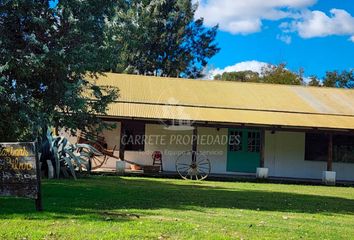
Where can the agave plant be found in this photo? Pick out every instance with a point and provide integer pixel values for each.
(76, 157)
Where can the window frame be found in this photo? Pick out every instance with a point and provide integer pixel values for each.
(254, 141)
(322, 139)
(233, 146)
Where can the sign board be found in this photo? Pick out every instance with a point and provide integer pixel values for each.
(19, 171)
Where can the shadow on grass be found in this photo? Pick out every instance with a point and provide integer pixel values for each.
(107, 198)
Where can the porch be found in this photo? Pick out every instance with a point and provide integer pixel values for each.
(284, 153)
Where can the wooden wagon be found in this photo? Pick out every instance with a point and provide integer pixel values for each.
(98, 161)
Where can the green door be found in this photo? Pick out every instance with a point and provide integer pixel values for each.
(243, 153)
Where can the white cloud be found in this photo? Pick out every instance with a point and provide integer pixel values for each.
(247, 16)
(306, 79)
(318, 24)
(253, 65)
(284, 38)
(244, 17)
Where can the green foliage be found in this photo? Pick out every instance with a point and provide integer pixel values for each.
(314, 81)
(241, 76)
(46, 57)
(345, 79)
(280, 75)
(162, 38)
(277, 74)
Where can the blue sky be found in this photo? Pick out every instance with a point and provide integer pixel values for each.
(316, 35)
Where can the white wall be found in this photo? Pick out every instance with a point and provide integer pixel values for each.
(160, 139)
(217, 153)
(285, 157)
(171, 149)
(112, 137)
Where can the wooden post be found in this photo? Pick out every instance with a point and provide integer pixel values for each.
(122, 142)
(262, 148)
(330, 152)
(38, 200)
(194, 143)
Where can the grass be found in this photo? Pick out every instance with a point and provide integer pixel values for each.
(104, 207)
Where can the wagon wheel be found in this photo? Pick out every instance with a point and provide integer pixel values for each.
(94, 161)
(197, 169)
(97, 161)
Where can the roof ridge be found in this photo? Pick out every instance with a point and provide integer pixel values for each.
(233, 82)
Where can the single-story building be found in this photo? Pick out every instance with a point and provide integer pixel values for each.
(241, 128)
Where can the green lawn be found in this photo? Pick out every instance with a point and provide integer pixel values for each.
(104, 207)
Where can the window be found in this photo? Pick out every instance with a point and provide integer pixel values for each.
(343, 148)
(133, 135)
(316, 147)
(254, 142)
(235, 141)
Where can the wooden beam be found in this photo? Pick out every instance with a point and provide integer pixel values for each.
(194, 143)
(262, 148)
(122, 141)
(330, 152)
(241, 125)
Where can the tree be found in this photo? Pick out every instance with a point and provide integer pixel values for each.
(314, 82)
(277, 74)
(345, 79)
(240, 76)
(162, 38)
(47, 55)
(280, 75)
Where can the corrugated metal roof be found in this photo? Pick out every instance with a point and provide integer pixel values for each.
(230, 102)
